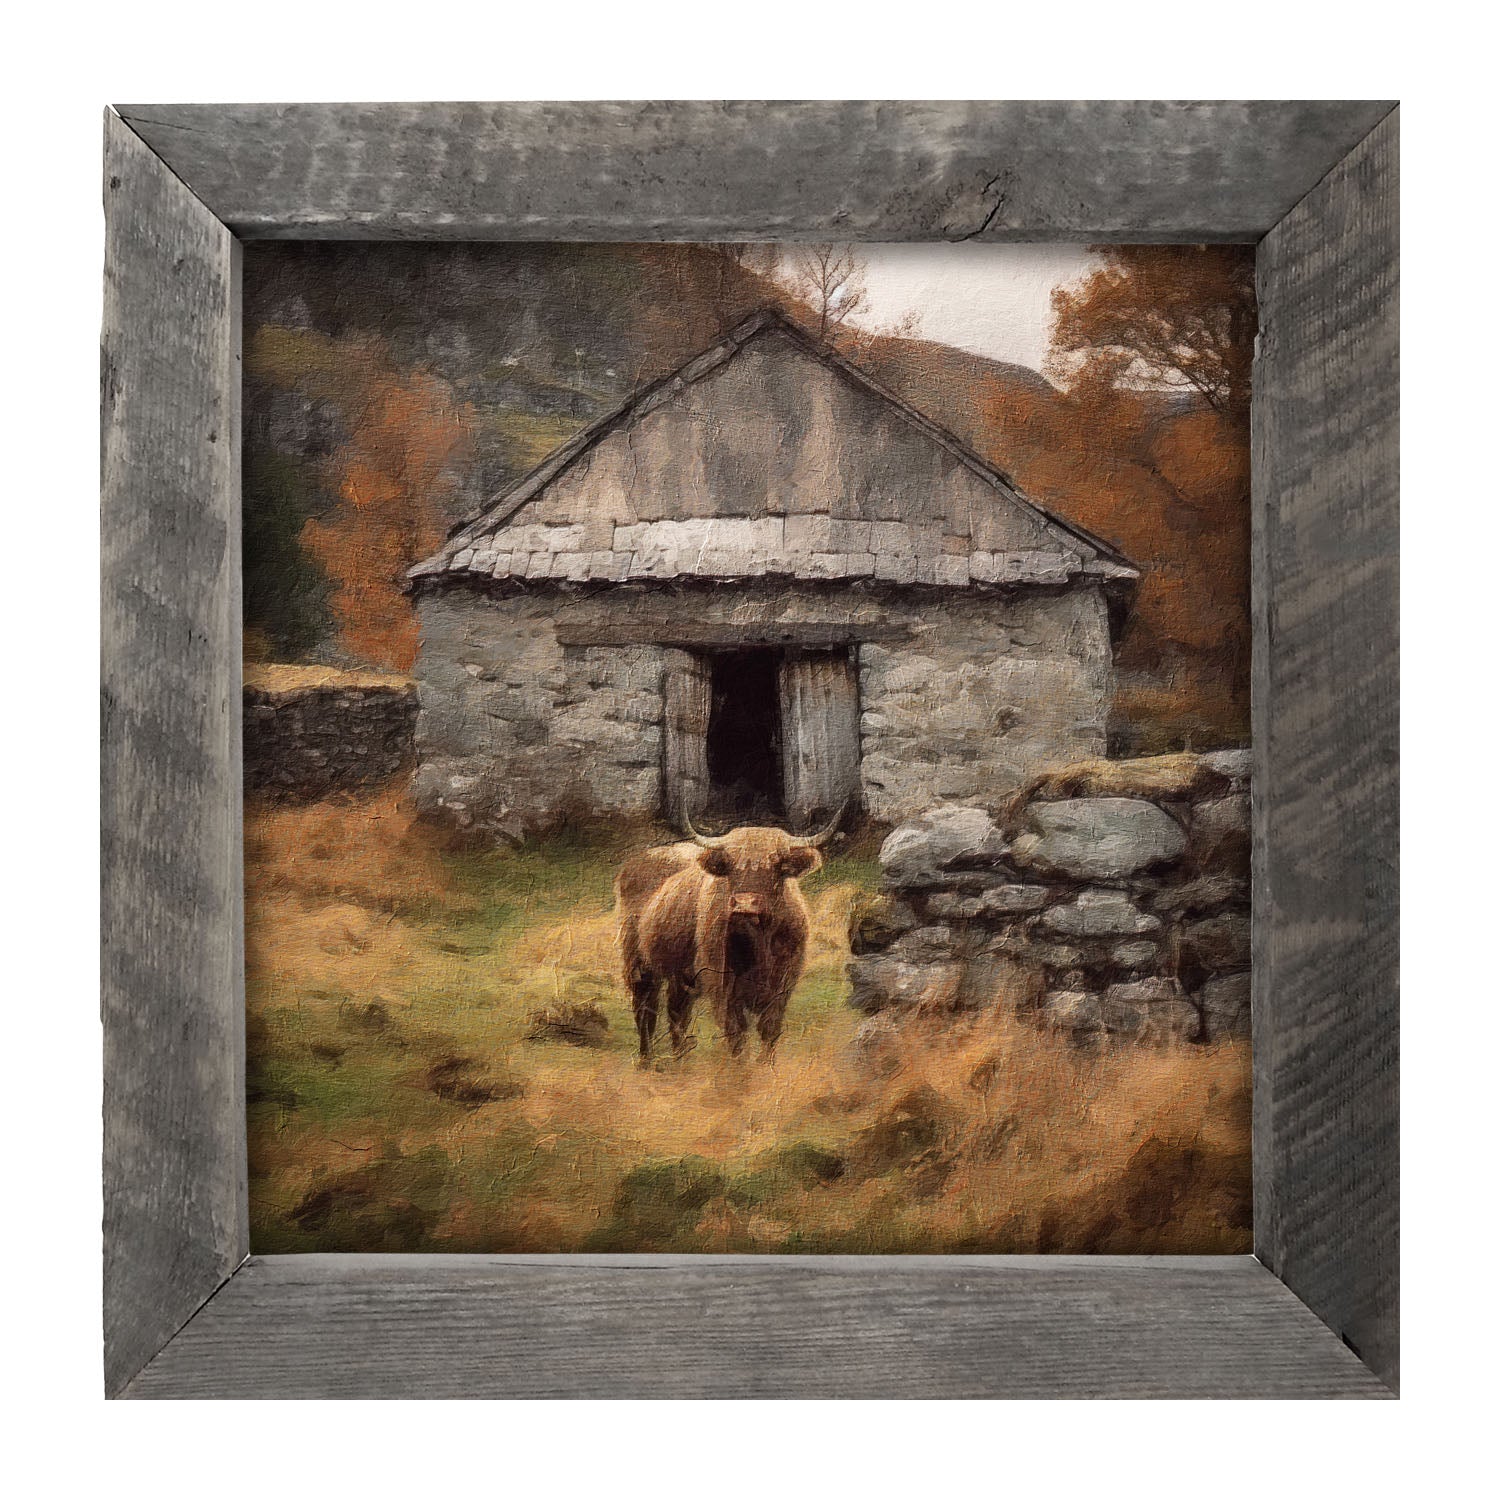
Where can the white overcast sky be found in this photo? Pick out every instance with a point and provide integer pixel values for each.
(989, 299)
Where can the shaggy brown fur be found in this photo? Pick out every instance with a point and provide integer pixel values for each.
(727, 923)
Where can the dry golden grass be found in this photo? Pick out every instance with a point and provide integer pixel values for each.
(397, 1102)
(285, 677)
(372, 852)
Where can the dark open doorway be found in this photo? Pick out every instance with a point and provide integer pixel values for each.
(744, 737)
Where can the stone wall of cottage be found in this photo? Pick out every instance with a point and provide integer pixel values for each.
(1108, 901)
(964, 696)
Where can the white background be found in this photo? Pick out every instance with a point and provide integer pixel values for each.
(61, 70)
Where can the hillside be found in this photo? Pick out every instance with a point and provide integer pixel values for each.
(952, 385)
(392, 389)
(539, 340)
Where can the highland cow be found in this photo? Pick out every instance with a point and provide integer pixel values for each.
(717, 918)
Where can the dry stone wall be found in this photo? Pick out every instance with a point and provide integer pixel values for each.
(1109, 901)
(307, 742)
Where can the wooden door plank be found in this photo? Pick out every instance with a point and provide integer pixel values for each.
(820, 734)
(688, 691)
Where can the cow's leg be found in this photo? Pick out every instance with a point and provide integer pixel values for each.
(736, 1021)
(679, 1013)
(644, 993)
(768, 1027)
(769, 1019)
(783, 977)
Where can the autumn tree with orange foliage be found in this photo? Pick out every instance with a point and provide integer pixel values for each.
(1148, 445)
(1162, 318)
(391, 480)
(405, 431)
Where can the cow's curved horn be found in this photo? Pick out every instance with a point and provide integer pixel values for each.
(826, 832)
(701, 839)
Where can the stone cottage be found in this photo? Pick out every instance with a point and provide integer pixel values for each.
(762, 586)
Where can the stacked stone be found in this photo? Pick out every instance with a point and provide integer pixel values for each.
(610, 708)
(1102, 916)
(308, 743)
(519, 731)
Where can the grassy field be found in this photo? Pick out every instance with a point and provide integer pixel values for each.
(404, 1095)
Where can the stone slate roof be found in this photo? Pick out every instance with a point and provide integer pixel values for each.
(575, 519)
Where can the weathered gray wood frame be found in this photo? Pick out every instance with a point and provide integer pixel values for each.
(1313, 1313)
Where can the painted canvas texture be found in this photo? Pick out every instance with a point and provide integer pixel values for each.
(747, 748)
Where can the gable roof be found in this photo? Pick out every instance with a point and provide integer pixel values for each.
(581, 540)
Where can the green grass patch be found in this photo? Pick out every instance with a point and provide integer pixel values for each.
(529, 437)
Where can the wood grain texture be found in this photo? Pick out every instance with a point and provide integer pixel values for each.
(693, 170)
(939, 1327)
(174, 1148)
(687, 702)
(1325, 483)
(1326, 738)
(819, 693)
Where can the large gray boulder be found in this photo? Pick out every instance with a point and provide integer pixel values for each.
(1204, 893)
(924, 945)
(880, 981)
(1146, 1012)
(1098, 838)
(1233, 764)
(1143, 992)
(1101, 913)
(1037, 953)
(1136, 955)
(1153, 1010)
(930, 849)
(1174, 1022)
(1077, 1011)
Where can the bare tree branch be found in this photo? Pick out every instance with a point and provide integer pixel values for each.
(831, 280)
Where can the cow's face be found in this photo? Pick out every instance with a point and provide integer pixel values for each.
(757, 863)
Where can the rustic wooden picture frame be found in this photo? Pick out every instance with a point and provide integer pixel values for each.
(189, 1313)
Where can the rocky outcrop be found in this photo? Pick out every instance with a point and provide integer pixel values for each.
(1118, 917)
